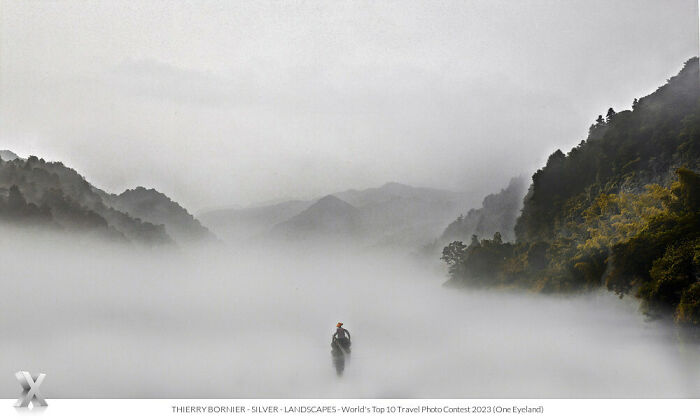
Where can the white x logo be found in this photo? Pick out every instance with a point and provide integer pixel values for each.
(30, 389)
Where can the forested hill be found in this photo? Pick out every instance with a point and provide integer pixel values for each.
(624, 150)
(621, 210)
(49, 195)
(155, 207)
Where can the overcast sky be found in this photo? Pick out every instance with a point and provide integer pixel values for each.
(221, 102)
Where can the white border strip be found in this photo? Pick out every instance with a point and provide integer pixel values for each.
(107, 409)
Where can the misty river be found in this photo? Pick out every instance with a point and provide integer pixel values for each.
(105, 322)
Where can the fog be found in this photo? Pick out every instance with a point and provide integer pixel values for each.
(220, 103)
(106, 321)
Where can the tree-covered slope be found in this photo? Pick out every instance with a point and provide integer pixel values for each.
(155, 207)
(624, 150)
(35, 192)
(621, 210)
(498, 213)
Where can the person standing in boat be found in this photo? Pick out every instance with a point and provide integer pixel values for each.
(342, 337)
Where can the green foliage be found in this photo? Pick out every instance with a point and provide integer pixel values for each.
(621, 209)
(688, 311)
(671, 275)
(454, 255)
(479, 262)
(627, 151)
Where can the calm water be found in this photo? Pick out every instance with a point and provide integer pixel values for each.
(103, 322)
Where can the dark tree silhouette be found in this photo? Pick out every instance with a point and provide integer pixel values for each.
(610, 115)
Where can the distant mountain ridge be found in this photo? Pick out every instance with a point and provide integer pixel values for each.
(247, 223)
(498, 213)
(155, 207)
(390, 214)
(391, 191)
(37, 192)
(8, 155)
(329, 216)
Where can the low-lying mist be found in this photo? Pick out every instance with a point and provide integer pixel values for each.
(107, 321)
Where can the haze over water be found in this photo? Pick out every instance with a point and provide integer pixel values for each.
(219, 322)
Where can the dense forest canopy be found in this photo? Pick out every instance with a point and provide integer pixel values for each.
(621, 210)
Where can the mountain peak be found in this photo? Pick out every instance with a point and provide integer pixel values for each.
(330, 204)
(330, 199)
(143, 193)
(155, 207)
(396, 187)
(328, 216)
(8, 155)
(393, 184)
